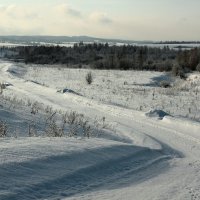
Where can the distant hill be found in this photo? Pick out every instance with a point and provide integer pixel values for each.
(61, 39)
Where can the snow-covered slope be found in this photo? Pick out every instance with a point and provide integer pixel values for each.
(140, 157)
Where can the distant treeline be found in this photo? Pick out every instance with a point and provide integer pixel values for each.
(177, 42)
(103, 56)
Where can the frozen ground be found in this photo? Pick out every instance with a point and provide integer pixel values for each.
(131, 89)
(145, 155)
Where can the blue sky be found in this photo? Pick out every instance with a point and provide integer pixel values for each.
(126, 19)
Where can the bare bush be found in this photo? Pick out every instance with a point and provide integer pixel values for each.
(51, 127)
(2, 87)
(3, 129)
(85, 127)
(198, 67)
(48, 110)
(53, 130)
(177, 70)
(1, 90)
(58, 124)
(74, 121)
(32, 132)
(35, 108)
(77, 124)
(72, 117)
(89, 78)
(165, 84)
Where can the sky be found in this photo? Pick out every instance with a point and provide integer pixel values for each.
(121, 19)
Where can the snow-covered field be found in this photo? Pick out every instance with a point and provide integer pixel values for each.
(140, 155)
(131, 89)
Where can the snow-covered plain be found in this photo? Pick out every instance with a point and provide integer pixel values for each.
(143, 155)
(131, 89)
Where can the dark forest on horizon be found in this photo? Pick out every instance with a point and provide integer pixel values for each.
(103, 56)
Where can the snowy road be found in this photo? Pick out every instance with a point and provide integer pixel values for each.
(144, 158)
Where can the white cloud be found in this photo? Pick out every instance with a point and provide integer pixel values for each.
(11, 8)
(100, 17)
(19, 20)
(67, 10)
(16, 12)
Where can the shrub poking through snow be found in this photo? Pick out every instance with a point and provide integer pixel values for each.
(32, 131)
(72, 117)
(1, 90)
(52, 129)
(89, 78)
(3, 129)
(71, 124)
(78, 124)
(56, 123)
(165, 84)
(198, 67)
(2, 87)
(34, 108)
(177, 70)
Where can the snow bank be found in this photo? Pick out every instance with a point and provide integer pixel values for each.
(43, 168)
(154, 113)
